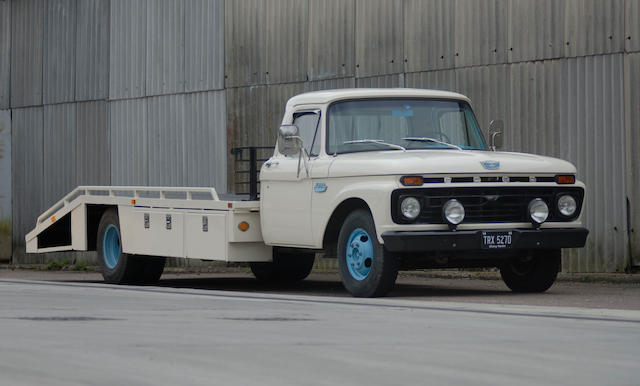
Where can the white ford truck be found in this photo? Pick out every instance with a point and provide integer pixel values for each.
(381, 179)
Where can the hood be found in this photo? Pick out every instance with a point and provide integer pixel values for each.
(444, 161)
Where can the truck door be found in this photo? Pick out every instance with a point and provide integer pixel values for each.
(285, 191)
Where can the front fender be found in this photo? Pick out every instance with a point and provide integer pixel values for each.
(374, 191)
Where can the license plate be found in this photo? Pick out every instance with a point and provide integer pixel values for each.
(496, 240)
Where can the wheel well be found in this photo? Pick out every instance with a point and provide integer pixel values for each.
(94, 214)
(338, 216)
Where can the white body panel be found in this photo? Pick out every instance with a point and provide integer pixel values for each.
(183, 234)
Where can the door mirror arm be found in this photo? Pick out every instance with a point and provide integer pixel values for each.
(496, 137)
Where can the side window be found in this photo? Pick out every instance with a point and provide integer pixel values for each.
(307, 123)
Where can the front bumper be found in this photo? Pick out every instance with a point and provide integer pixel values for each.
(425, 241)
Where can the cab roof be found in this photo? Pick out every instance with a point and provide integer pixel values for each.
(328, 96)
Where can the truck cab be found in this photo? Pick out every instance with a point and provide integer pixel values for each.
(389, 179)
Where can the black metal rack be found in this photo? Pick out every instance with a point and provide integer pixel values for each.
(242, 156)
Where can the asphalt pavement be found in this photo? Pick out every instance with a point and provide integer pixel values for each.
(86, 333)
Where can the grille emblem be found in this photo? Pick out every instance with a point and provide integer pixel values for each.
(490, 165)
(493, 197)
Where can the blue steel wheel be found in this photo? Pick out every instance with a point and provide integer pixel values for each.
(359, 254)
(366, 268)
(111, 246)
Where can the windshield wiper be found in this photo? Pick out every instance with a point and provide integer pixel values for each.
(378, 141)
(426, 139)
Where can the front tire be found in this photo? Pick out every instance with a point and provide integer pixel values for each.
(366, 269)
(122, 268)
(535, 274)
(286, 267)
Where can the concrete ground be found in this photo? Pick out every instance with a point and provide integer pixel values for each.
(68, 328)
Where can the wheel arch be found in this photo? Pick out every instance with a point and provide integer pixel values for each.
(94, 214)
(340, 213)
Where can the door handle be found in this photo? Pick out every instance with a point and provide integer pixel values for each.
(271, 163)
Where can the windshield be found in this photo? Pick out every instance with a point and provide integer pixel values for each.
(396, 124)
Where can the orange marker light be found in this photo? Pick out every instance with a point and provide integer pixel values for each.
(133, 202)
(566, 179)
(411, 180)
(53, 218)
(243, 226)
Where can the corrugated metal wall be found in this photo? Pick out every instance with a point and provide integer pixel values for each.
(157, 92)
(129, 147)
(429, 33)
(127, 48)
(59, 151)
(379, 37)
(632, 108)
(27, 28)
(93, 145)
(5, 50)
(331, 39)
(287, 32)
(5, 186)
(165, 47)
(59, 67)
(92, 50)
(204, 45)
(27, 175)
(245, 36)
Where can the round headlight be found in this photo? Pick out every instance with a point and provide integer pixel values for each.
(538, 211)
(410, 208)
(453, 212)
(567, 205)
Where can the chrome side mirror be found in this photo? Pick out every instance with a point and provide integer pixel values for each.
(289, 142)
(496, 136)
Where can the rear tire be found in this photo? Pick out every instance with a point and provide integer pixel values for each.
(536, 274)
(366, 268)
(286, 267)
(122, 268)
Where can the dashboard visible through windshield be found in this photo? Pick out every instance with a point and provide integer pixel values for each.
(397, 124)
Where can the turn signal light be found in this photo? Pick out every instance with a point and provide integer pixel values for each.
(411, 180)
(243, 226)
(566, 179)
